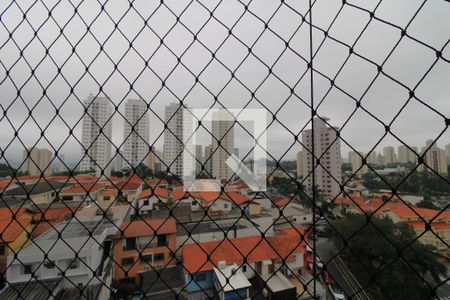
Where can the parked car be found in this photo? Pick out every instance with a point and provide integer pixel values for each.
(336, 292)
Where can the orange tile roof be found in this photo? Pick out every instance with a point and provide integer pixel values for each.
(138, 228)
(157, 182)
(60, 178)
(109, 192)
(254, 248)
(126, 185)
(6, 213)
(6, 183)
(11, 229)
(53, 216)
(282, 202)
(177, 194)
(82, 189)
(109, 180)
(209, 197)
(420, 226)
(28, 178)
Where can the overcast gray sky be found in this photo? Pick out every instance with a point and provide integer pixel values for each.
(408, 64)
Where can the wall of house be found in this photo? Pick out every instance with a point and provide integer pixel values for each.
(195, 286)
(139, 265)
(43, 198)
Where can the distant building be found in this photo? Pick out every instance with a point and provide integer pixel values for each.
(135, 133)
(435, 159)
(37, 162)
(406, 155)
(355, 160)
(118, 161)
(207, 160)
(389, 155)
(61, 167)
(96, 136)
(223, 132)
(198, 159)
(380, 160)
(372, 158)
(328, 148)
(151, 160)
(299, 164)
(236, 152)
(177, 122)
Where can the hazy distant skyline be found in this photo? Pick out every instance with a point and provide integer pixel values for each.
(408, 64)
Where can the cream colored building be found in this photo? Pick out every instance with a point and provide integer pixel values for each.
(37, 161)
(151, 160)
(406, 155)
(328, 147)
(389, 155)
(223, 132)
(355, 160)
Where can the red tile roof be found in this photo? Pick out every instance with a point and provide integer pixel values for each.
(53, 216)
(6, 183)
(28, 178)
(209, 197)
(177, 194)
(11, 229)
(157, 182)
(138, 228)
(82, 189)
(126, 185)
(420, 226)
(254, 248)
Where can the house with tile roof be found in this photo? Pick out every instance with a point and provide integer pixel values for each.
(15, 226)
(87, 192)
(255, 256)
(143, 245)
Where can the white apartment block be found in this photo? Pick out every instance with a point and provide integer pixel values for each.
(223, 132)
(389, 155)
(328, 174)
(135, 133)
(37, 162)
(372, 158)
(96, 136)
(355, 160)
(179, 123)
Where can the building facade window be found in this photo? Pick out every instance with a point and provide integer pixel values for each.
(127, 261)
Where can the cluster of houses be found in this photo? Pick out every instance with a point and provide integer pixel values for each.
(67, 237)
(432, 226)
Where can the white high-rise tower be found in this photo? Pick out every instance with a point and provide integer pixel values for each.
(178, 122)
(135, 133)
(222, 144)
(326, 147)
(96, 136)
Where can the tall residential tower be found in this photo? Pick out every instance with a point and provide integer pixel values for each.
(96, 136)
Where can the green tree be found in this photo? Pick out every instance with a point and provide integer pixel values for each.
(386, 257)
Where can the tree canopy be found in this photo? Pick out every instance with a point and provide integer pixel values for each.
(387, 258)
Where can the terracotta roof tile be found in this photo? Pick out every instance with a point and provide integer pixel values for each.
(138, 228)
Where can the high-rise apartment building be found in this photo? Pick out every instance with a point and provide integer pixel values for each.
(372, 158)
(355, 160)
(299, 164)
(389, 155)
(135, 133)
(151, 159)
(406, 155)
(222, 144)
(179, 123)
(96, 136)
(198, 159)
(327, 175)
(37, 162)
(61, 167)
(207, 160)
(435, 158)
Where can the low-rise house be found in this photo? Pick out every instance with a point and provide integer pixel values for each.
(146, 201)
(438, 235)
(263, 256)
(7, 184)
(215, 201)
(75, 254)
(15, 228)
(87, 192)
(143, 245)
(38, 193)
